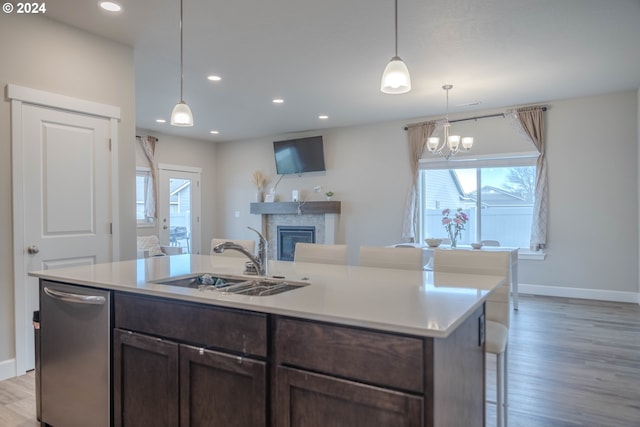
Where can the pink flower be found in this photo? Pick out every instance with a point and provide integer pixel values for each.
(446, 221)
(457, 220)
(446, 212)
(464, 216)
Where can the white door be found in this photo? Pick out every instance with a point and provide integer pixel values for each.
(66, 179)
(179, 207)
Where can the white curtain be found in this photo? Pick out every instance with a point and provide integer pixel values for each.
(417, 135)
(529, 122)
(149, 147)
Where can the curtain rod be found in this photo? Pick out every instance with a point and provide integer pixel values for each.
(138, 136)
(468, 118)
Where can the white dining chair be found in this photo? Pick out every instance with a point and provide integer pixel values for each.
(249, 245)
(320, 253)
(497, 311)
(389, 257)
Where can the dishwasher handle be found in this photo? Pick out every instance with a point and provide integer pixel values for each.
(76, 298)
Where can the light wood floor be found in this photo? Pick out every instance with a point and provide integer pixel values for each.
(571, 363)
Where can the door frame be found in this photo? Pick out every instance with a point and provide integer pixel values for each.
(196, 224)
(19, 95)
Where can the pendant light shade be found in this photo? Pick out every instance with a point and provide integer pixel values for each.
(396, 78)
(181, 114)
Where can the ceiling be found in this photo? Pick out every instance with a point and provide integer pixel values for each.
(327, 57)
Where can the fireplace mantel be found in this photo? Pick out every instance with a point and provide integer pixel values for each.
(283, 208)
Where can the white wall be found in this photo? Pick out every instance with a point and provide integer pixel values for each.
(592, 148)
(174, 150)
(593, 196)
(39, 53)
(366, 168)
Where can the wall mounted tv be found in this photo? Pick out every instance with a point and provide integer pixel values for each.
(299, 155)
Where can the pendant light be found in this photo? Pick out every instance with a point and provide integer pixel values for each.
(396, 79)
(181, 114)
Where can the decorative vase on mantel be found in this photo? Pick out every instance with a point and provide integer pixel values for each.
(258, 196)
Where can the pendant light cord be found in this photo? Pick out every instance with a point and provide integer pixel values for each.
(396, 28)
(181, 54)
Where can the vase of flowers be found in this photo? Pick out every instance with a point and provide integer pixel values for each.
(455, 225)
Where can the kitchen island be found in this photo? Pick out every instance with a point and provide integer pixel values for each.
(358, 346)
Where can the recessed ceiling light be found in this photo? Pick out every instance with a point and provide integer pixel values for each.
(323, 117)
(214, 78)
(161, 121)
(110, 6)
(215, 132)
(278, 101)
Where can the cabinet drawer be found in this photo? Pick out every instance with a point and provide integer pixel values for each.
(315, 400)
(372, 357)
(235, 330)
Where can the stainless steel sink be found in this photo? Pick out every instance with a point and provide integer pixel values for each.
(259, 286)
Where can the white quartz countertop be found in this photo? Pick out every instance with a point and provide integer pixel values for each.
(421, 303)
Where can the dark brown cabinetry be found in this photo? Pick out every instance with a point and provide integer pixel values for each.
(145, 380)
(346, 376)
(186, 364)
(313, 400)
(328, 374)
(177, 363)
(218, 389)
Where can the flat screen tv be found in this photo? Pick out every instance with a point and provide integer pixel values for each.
(299, 155)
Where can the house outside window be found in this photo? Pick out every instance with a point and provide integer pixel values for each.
(497, 195)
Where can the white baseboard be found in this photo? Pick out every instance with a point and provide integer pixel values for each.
(7, 369)
(582, 293)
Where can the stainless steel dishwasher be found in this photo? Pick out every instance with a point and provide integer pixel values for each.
(75, 349)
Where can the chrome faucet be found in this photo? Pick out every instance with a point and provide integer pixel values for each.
(260, 262)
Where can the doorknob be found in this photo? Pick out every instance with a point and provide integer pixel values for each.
(164, 227)
(33, 249)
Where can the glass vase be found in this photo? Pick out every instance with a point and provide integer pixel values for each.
(453, 236)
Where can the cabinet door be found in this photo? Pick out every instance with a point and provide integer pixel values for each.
(145, 380)
(219, 389)
(313, 400)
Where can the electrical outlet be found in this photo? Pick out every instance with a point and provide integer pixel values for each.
(317, 189)
(236, 214)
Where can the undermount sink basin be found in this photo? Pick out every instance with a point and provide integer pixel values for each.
(260, 286)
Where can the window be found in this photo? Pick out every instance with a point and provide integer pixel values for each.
(142, 182)
(501, 210)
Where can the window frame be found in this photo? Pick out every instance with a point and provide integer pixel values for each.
(146, 222)
(478, 163)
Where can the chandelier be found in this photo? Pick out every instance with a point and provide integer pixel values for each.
(451, 144)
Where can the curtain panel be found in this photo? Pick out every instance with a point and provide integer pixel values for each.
(529, 122)
(151, 200)
(417, 136)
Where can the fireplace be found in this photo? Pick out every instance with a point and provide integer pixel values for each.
(289, 235)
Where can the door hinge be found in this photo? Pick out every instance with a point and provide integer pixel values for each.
(110, 228)
(109, 144)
